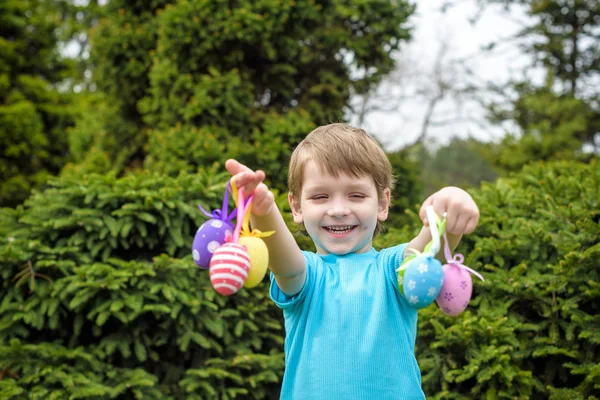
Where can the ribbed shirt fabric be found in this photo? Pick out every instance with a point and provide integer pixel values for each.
(349, 332)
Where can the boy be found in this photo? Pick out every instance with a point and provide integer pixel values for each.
(350, 334)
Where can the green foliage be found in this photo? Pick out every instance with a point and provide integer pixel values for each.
(561, 118)
(531, 330)
(554, 126)
(245, 77)
(92, 147)
(125, 313)
(33, 113)
(184, 147)
(53, 371)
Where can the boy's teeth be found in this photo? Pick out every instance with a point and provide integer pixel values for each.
(340, 229)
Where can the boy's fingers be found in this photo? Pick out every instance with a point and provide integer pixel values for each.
(472, 224)
(439, 206)
(460, 225)
(243, 179)
(423, 210)
(454, 222)
(255, 182)
(249, 180)
(264, 199)
(234, 167)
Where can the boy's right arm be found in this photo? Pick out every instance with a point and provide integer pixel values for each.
(285, 257)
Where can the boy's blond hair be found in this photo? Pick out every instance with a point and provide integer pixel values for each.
(341, 148)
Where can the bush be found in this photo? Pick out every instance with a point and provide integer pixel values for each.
(100, 297)
(107, 302)
(532, 328)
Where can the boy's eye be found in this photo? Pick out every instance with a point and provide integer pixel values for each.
(318, 197)
(357, 196)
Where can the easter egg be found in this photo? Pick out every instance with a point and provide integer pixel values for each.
(229, 268)
(208, 238)
(259, 259)
(421, 280)
(456, 291)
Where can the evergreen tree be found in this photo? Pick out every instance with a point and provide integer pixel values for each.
(34, 114)
(560, 119)
(193, 82)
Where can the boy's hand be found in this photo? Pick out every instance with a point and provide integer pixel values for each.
(462, 212)
(252, 181)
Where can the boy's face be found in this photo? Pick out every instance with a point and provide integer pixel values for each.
(339, 213)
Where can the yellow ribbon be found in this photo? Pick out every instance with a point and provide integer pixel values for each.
(246, 226)
(257, 233)
(234, 192)
(246, 221)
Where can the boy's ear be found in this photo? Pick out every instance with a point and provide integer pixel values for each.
(295, 206)
(384, 205)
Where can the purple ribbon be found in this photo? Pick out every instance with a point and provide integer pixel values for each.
(458, 259)
(221, 214)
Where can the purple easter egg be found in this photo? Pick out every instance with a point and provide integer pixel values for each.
(209, 237)
(456, 291)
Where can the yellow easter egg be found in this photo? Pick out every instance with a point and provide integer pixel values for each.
(259, 259)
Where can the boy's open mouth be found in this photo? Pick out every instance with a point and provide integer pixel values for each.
(340, 229)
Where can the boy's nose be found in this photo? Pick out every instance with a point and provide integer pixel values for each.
(338, 210)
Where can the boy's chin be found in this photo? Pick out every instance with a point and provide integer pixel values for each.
(344, 250)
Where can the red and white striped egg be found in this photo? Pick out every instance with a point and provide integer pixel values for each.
(229, 268)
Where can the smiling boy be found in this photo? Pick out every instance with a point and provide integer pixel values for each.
(350, 333)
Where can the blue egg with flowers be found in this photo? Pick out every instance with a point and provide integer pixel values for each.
(420, 280)
(421, 276)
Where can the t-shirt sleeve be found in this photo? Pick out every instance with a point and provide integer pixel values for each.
(393, 257)
(284, 301)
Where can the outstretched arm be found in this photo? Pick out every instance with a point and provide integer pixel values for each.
(462, 217)
(285, 257)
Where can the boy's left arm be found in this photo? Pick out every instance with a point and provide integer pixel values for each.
(462, 216)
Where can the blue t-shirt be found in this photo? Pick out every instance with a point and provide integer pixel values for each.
(349, 332)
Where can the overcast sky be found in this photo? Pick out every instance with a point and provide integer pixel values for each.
(406, 96)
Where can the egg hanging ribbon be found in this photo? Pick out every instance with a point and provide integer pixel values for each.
(420, 276)
(458, 259)
(246, 223)
(221, 214)
(230, 263)
(257, 249)
(212, 233)
(457, 288)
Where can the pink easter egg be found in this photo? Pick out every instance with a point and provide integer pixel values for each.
(229, 268)
(456, 290)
